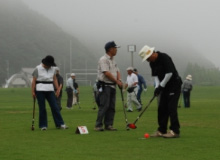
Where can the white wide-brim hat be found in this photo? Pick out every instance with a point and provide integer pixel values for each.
(146, 52)
(72, 74)
(130, 68)
(189, 77)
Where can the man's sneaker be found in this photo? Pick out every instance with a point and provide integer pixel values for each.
(44, 128)
(139, 109)
(157, 134)
(129, 110)
(69, 107)
(98, 129)
(63, 126)
(171, 134)
(110, 128)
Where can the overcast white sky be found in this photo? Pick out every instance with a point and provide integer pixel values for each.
(141, 22)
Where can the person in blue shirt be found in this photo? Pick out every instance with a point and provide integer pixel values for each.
(141, 83)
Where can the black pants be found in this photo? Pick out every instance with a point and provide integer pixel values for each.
(186, 98)
(69, 92)
(167, 110)
(106, 107)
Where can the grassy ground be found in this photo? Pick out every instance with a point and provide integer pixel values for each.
(199, 130)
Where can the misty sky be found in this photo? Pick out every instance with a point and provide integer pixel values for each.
(192, 23)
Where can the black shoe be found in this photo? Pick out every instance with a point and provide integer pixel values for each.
(139, 109)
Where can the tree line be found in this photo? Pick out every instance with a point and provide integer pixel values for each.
(202, 75)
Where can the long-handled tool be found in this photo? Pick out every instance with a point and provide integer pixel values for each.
(122, 99)
(132, 125)
(32, 127)
(180, 101)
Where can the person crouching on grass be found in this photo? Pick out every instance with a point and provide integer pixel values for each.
(44, 77)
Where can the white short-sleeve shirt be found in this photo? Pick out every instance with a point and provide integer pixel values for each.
(131, 79)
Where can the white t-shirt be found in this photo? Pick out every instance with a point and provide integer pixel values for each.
(131, 79)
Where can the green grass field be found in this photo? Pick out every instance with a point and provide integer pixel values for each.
(200, 130)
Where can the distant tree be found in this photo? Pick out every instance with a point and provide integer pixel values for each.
(203, 76)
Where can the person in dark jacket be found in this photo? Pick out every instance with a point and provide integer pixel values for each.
(167, 89)
(141, 83)
(60, 87)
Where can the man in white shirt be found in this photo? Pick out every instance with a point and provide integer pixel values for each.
(132, 85)
(108, 77)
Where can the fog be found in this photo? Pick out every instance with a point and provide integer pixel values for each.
(157, 23)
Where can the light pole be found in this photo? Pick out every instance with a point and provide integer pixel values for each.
(132, 49)
(7, 68)
(70, 56)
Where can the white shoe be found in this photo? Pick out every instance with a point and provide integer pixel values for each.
(44, 128)
(63, 127)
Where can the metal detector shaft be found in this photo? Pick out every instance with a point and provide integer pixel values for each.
(144, 110)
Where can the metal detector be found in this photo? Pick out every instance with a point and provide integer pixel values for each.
(132, 125)
(32, 127)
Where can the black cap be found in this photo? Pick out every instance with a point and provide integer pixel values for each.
(48, 61)
(110, 44)
(135, 70)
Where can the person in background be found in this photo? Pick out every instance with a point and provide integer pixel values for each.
(132, 89)
(141, 83)
(186, 89)
(167, 89)
(108, 77)
(70, 90)
(44, 80)
(60, 87)
(76, 92)
(95, 94)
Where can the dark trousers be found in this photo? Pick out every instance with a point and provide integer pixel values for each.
(186, 98)
(69, 92)
(167, 110)
(106, 107)
(42, 96)
(139, 95)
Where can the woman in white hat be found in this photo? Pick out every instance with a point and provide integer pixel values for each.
(186, 89)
